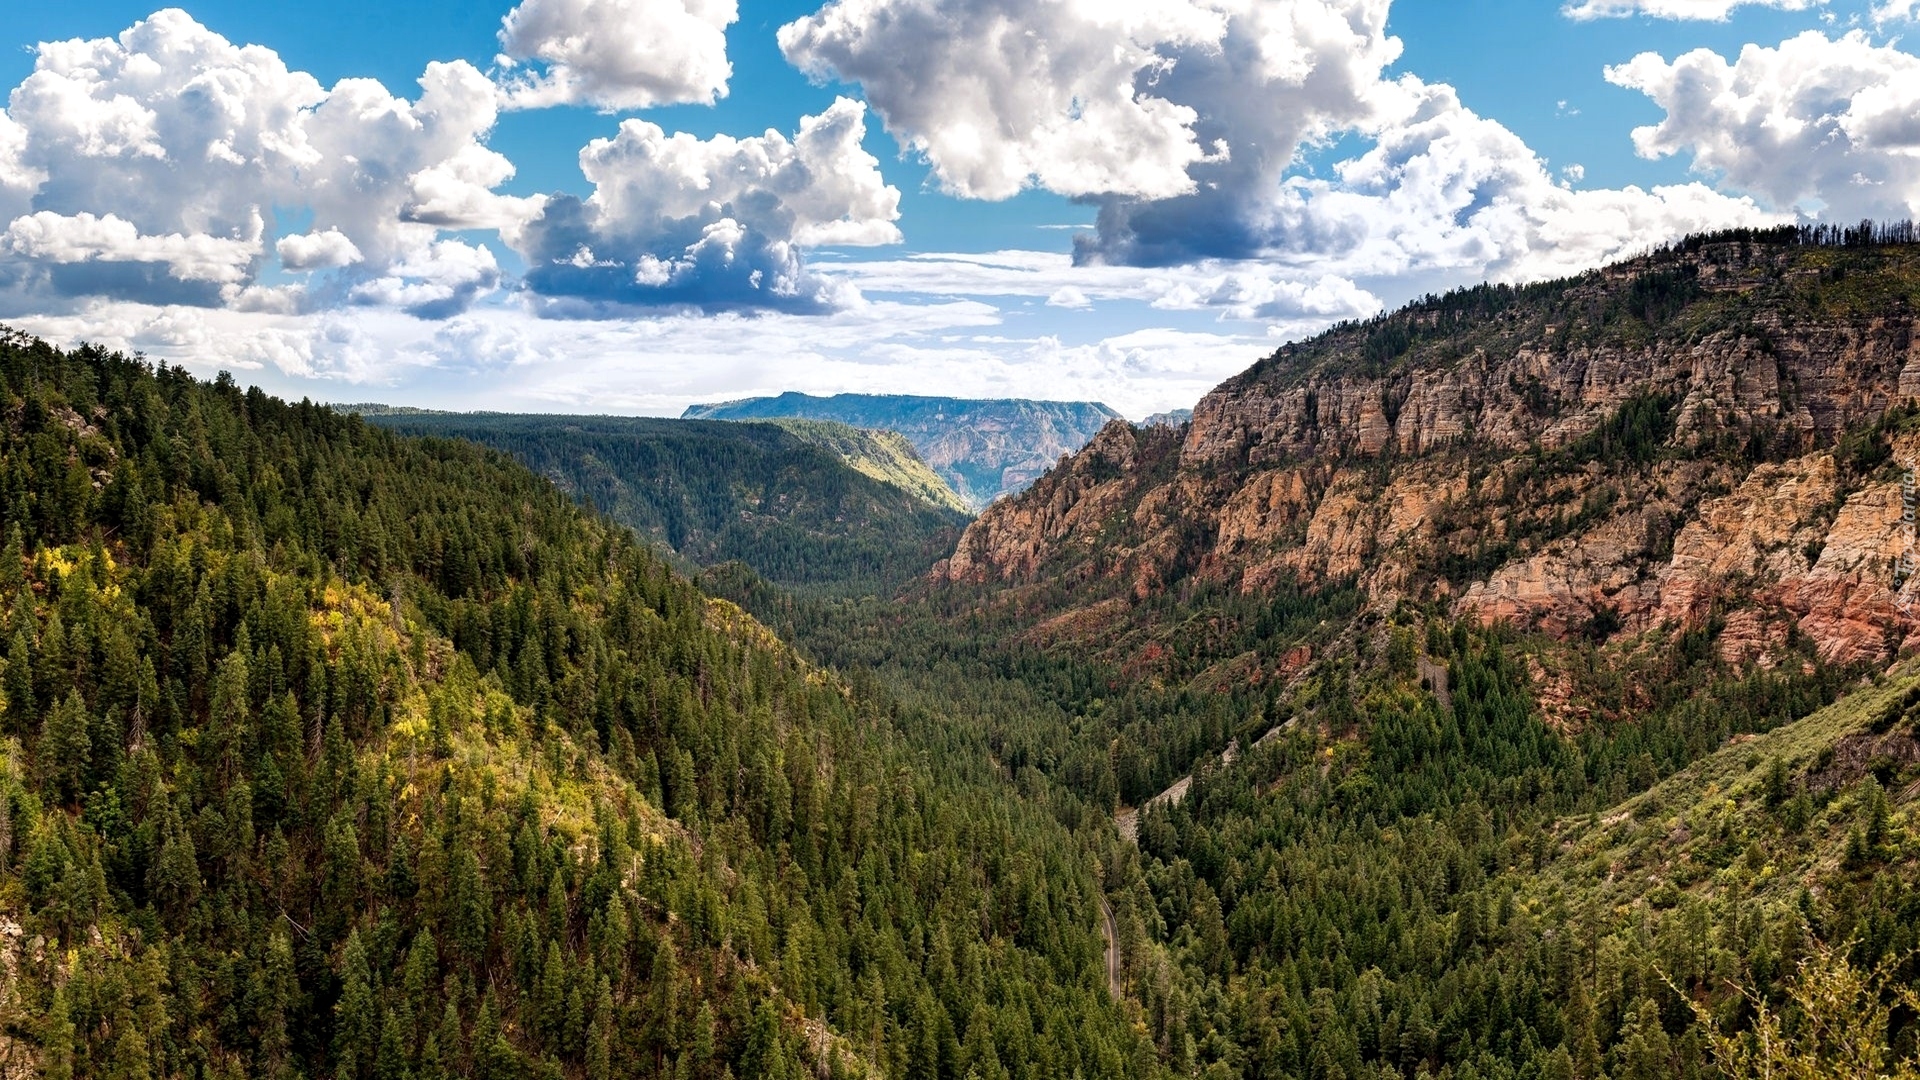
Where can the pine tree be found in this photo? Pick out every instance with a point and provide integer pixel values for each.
(355, 1024)
(279, 990)
(65, 748)
(390, 1061)
(600, 1034)
(131, 1059)
(446, 1038)
(13, 559)
(18, 685)
(229, 723)
(56, 1040)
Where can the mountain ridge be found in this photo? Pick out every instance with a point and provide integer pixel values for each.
(984, 448)
(1605, 455)
(807, 503)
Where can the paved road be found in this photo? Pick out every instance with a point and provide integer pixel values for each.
(1111, 932)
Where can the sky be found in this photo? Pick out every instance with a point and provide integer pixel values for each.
(630, 206)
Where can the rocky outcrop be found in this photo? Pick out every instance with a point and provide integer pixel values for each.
(1818, 380)
(1545, 461)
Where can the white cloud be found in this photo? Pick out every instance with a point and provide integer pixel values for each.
(175, 137)
(1002, 94)
(437, 283)
(1828, 125)
(719, 223)
(618, 54)
(498, 356)
(82, 238)
(328, 250)
(18, 181)
(1896, 11)
(1707, 10)
(1204, 107)
(457, 193)
(1293, 300)
(1446, 190)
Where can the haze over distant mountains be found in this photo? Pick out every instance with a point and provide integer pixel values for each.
(983, 448)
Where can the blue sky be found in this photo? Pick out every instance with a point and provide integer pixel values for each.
(335, 217)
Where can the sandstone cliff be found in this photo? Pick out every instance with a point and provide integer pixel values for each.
(1709, 436)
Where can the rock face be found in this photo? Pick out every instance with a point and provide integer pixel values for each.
(984, 449)
(1705, 437)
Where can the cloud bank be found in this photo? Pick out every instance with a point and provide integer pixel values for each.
(1185, 122)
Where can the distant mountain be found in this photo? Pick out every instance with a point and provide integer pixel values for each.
(803, 503)
(375, 408)
(1170, 418)
(984, 449)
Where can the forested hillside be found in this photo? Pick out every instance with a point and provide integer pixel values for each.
(803, 502)
(1392, 866)
(1496, 689)
(329, 752)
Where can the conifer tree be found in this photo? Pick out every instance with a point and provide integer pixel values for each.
(18, 685)
(56, 1041)
(65, 749)
(355, 1023)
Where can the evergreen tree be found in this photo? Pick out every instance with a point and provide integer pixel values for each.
(355, 1019)
(65, 749)
(56, 1040)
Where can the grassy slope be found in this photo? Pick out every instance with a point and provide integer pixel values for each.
(886, 456)
(1691, 834)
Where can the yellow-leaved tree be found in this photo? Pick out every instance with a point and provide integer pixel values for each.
(1838, 1026)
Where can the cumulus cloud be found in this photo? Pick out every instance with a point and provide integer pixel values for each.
(617, 54)
(1184, 123)
(1827, 125)
(715, 223)
(437, 283)
(1444, 189)
(1144, 102)
(328, 250)
(18, 181)
(150, 160)
(1708, 10)
(81, 238)
(1003, 94)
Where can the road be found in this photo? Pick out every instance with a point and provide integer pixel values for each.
(1111, 932)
